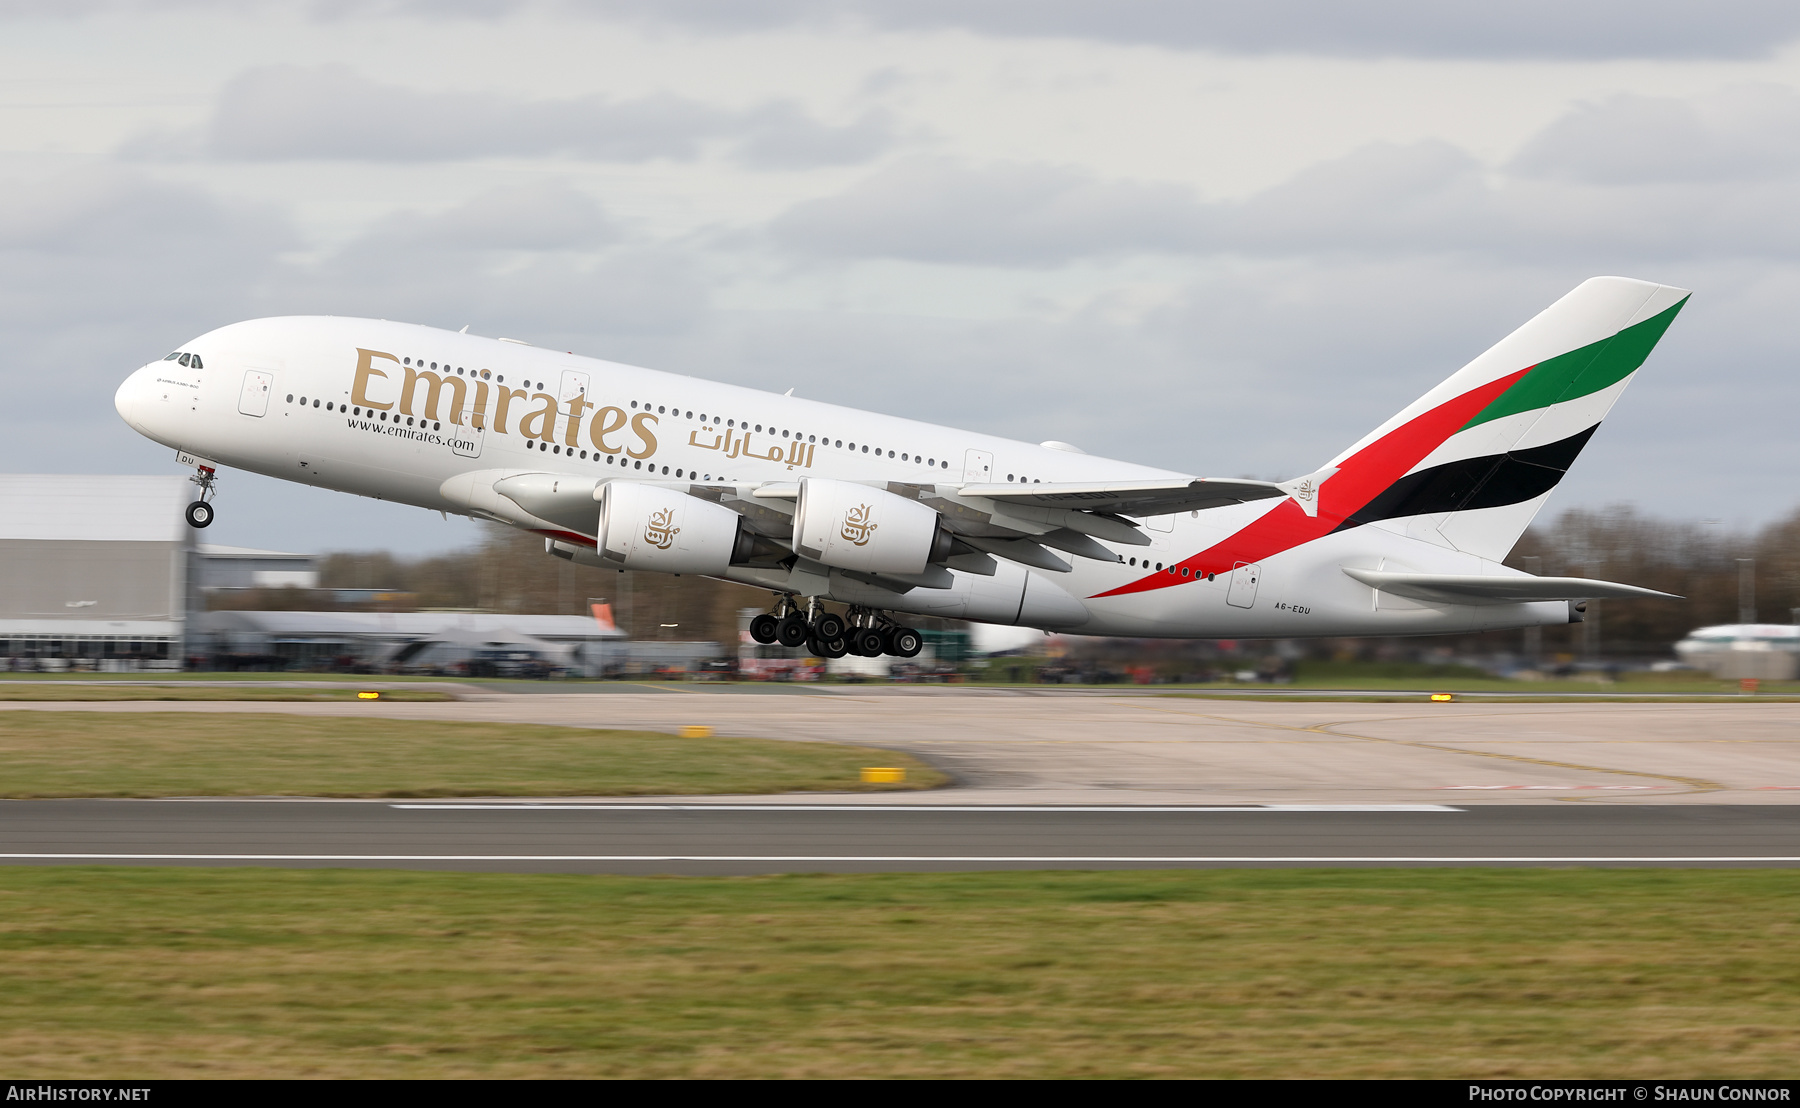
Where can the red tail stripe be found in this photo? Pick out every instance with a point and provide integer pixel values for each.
(1361, 478)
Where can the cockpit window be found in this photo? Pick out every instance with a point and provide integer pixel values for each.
(173, 356)
(185, 359)
(197, 364)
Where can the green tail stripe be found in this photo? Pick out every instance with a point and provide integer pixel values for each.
(1582, 371)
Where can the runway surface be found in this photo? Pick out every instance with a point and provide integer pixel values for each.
(724, 838)
(1021, 746)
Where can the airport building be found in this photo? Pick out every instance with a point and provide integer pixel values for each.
(456, 643)
(98, 570)
(104, 573)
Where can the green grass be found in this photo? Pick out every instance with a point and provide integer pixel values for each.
(1442, 973)
(68, 754)
(208, 677)
(63, 693)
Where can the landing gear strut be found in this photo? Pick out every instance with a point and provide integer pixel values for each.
(200, 512)
(873, 634)
(785, 625)
(865, 632)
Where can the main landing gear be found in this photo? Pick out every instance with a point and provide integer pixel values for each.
(866, 633)
(200, 512)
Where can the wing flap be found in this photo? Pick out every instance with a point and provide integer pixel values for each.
(1130, 498)
(1461, 588)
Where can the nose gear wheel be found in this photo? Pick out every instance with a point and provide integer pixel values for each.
(200, 513)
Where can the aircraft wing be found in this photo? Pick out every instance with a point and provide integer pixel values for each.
(1129, 498)
(1459, 588)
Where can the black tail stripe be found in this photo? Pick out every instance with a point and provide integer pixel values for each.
(1490, 481)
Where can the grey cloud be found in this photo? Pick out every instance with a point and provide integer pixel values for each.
(1524, 29)
(1384, 196)
(285, 112)
(638, 290)
(781, 136)
(546, 216)
(937, 211)
(128, 250)
(100, 272)
(112, 213)
(282, 112)
(1559, 29)
(1382, 200)
(1631, 139)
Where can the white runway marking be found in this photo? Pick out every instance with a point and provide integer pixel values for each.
(1320, 859)
(552, 807)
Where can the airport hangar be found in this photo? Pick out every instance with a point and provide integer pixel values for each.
(104, 573)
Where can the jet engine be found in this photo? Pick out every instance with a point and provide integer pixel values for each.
(855, 527)
(651, 527)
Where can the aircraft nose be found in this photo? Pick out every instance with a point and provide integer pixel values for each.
(134, 398)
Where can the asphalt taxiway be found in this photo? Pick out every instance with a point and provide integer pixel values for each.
(812, 836)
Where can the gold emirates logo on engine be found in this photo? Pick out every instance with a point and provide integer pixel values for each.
(659, 532)
(857, 527)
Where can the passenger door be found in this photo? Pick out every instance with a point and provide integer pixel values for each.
(978, 467)
(253, 400)
(574, 385)
(466, 440)
(1242, 592)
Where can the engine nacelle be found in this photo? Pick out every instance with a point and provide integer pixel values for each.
(655, 528)
(855, 527)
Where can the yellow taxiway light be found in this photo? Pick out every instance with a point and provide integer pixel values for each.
(368, 695)
(883, 775)
(1441, 697)
(696, 731)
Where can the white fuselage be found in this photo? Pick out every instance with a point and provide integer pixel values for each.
(322, 400)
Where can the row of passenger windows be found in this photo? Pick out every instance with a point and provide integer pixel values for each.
(192, 361)
(482, 374)
(661, 409)
(330, 406)
(747, 426)
(1185, 571)
(614, 460)
(733, 424)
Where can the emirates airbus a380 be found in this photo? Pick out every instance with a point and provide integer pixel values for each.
(1403, 533)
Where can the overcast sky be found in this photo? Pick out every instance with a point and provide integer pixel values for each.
(1227, 239)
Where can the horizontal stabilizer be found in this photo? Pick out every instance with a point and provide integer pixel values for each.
(1461, 588)
(1130, 498)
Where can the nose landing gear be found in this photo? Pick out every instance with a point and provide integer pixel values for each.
(200, 513)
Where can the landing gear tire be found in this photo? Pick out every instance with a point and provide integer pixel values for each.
(199, 514)
(904, 642)
(828, 626)
(829, 648)
(866, 641)
(764, 628)
(792, 631)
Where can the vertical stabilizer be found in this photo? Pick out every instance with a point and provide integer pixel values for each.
(1469, 464)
